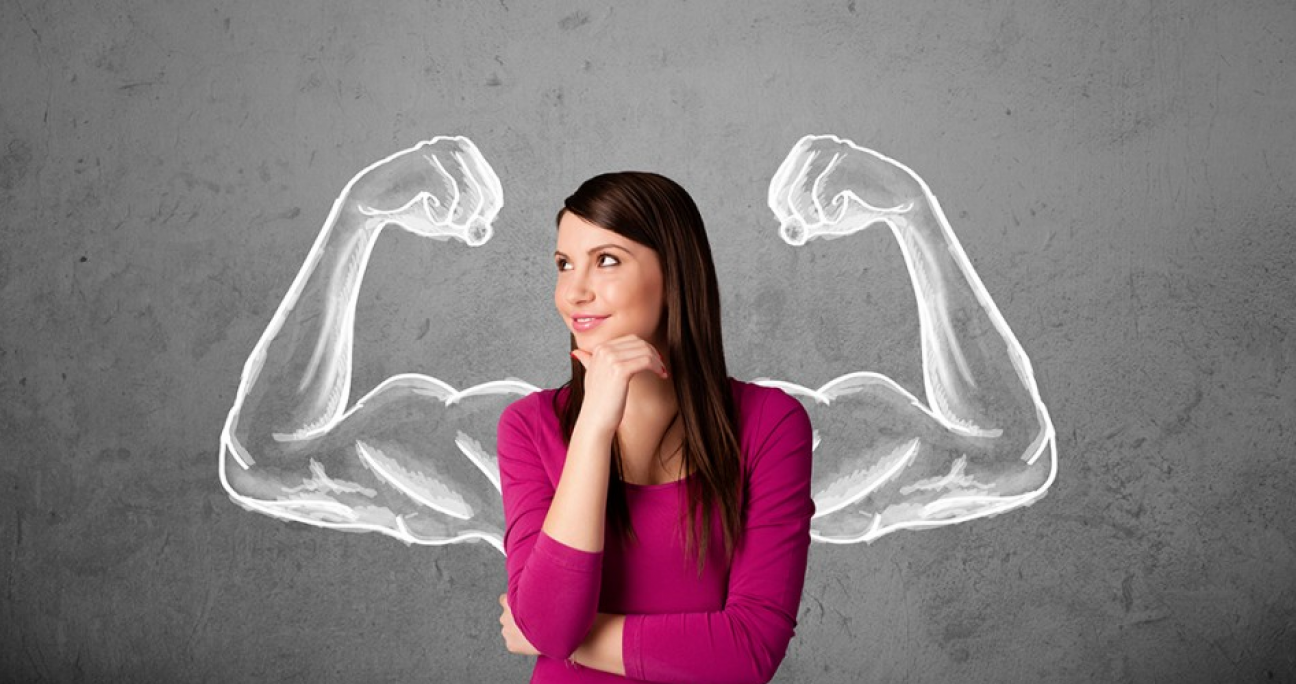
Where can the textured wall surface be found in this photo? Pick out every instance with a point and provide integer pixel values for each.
(1121, 174)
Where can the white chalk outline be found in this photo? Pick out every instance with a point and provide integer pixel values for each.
(808, 197)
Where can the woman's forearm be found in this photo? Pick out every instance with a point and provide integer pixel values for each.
(579, 505)
(601, 649)
(554, 592)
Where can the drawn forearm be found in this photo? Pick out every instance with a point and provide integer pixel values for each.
(977, 378)
(298, 378)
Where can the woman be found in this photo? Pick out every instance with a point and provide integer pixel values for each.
(657, 511)
(402, 460)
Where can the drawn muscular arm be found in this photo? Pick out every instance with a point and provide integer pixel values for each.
(982, 442)
(398, 461)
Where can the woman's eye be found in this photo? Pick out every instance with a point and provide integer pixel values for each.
(563, 262)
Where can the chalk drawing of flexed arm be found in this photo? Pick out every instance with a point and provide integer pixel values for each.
(982, 443)
(402, 460)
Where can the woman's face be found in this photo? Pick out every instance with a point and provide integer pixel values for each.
(609, 276)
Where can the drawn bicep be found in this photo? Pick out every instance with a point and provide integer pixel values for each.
(411, 459)
(883, 461)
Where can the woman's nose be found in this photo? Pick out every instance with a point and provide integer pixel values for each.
(578, 290)
(577, 297)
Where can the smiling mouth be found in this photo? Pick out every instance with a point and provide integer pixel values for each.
(583, 324)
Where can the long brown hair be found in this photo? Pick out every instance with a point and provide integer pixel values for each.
(654, 211)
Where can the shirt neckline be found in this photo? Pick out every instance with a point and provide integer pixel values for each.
(660, 485)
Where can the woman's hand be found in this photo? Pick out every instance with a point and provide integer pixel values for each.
(608, 370)
(513, 639)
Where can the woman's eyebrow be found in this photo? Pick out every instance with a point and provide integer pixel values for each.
(591, 250)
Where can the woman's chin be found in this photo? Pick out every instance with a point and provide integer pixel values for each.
(586, 339)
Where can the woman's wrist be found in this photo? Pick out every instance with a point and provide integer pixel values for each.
(593, 433)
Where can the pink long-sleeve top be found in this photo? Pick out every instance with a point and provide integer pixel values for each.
(732, 624)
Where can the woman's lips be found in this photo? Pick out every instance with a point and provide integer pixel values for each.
(582, 326)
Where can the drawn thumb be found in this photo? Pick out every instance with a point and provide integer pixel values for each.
(582, 356)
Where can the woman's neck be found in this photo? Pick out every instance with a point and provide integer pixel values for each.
(648, 452)
(650, 399)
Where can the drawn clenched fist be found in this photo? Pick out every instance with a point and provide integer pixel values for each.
(440, 188)
(830, 187)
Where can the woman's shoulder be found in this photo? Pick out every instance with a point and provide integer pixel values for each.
(769, 401)
(768, 415)
(775, 428)
(530, 419)
(529, 403)
(536, 408)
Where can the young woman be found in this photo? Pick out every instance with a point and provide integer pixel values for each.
(657, 511)
(650, 437)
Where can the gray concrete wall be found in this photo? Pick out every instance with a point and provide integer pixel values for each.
(1121, 174)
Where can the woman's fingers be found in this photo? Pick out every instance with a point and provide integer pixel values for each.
(653, 362)
(514, 641)
(608, 370)
(634, 361)
(631, 351)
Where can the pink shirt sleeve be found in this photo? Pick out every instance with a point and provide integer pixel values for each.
(553, 589)
(746, 641)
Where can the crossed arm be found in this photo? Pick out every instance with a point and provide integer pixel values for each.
(554, 588)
